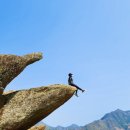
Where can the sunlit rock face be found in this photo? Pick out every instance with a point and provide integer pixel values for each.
(40, 127)
(23, 109)
(12, 65)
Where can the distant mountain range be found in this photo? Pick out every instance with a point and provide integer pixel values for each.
(116, 120)
(72, 127)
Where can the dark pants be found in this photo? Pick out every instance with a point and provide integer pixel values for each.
(76, 86)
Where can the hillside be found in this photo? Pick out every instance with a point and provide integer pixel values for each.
(116, 120)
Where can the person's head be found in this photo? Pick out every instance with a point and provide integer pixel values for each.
(70, 74)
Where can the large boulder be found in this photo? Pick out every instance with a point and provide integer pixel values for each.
(12, 65)
(22, 109)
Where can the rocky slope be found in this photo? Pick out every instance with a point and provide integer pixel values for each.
(22, 109)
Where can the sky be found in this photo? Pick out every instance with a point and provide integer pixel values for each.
(89, 38)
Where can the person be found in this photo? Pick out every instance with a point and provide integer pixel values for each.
(70, 82)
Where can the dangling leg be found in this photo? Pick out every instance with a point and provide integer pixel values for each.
(76, 93)
(78, 87)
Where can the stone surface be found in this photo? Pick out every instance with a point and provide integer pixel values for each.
(22, 109)
(40, 127)
(12, 65)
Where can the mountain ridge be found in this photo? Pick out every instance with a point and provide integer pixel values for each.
(115, 120)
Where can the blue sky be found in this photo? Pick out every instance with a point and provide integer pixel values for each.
(89, 38)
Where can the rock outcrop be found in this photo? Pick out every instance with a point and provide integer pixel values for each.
(12, 65)
(40, 127)
(22, 109)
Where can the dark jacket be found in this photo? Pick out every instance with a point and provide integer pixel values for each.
(70, 81)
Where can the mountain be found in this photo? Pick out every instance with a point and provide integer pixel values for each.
(116, 120)
(71, 127)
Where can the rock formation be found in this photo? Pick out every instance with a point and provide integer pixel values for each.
(12, 65)
(22, 109)
(40, 127)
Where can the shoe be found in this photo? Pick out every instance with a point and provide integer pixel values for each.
(83, 91)
(76, 95)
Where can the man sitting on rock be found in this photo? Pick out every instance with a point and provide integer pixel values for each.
(70, 82)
